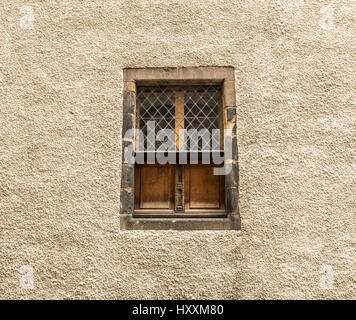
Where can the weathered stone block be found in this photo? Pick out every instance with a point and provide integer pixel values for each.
(234, 150)
(127, 201)
(127, 176)
(231, 200)
(128, 122)
(229, 93)
(130, 86)
(232, 179)
(129, 102)
(230, 113)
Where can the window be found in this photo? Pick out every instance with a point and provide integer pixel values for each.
(178, 108)
(179, 149)
(180, 189)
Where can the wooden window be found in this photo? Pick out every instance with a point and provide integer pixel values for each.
(180, 189)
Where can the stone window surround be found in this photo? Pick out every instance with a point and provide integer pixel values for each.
(225, 76)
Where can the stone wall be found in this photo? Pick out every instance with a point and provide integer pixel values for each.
(61, 85)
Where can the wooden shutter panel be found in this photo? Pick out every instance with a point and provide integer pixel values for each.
(204, 190)
(154, 184)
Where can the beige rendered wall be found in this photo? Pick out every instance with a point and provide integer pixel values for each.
(60, 149)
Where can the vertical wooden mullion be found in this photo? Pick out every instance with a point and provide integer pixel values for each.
(179, 118)
(179, 172)
(179, 188)
(186, 187)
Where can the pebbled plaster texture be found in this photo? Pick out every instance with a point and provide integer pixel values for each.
(60, 149)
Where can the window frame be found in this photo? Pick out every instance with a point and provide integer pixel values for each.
(185, 76)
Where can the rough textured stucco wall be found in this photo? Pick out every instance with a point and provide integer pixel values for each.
(60, 141)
